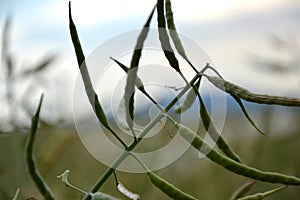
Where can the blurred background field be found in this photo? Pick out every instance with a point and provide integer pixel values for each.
(256, 46)
(58, 149)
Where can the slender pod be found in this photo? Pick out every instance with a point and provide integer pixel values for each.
(172, 30)
(189, 99)
(208, 122)
(168, 188)
(92, 96)
(242, 190)
(138, 83)
(132, 74)
(214, 134)
(164, 39)
(163, 185)
(30, 160)
(259, 196)
(122, 109)
(240, 103)
(140, 41)
(249, 96)
(198, 143)
(174, 34)
(75, 39)
(121, 117)
(125, 153)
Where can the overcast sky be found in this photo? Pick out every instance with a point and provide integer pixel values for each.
(230, 31)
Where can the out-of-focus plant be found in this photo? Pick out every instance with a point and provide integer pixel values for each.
(15, 106)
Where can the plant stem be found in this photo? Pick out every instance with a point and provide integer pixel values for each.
(126, 152)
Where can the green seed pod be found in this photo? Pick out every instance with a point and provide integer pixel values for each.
(172, 29)
(238, 100)
(132, 74)
(138, 83)
(214, 134)
(198, 143)
(189, 99)
(242, 190)
(263, 195)
(169, 189)
(30, 160)
(92, 96)
(121, 117)
(249, 96)
(164, 37)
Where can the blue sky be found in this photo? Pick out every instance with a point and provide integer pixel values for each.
(230, 31)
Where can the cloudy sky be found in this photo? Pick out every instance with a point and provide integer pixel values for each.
(232, 33)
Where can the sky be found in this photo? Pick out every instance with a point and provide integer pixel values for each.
(233, 33)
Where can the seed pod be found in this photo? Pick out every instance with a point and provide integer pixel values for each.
(198, 143)
(241, 191)
(122, 110)
(30, 160)
(169, 189)
(172, 29)
(92, 96)
(121, 117)
(263, 195)
(249, 96)
(246, 114)
(164, 37)
(132, 74)
(139, 84)
(189, 99)
(214, 134)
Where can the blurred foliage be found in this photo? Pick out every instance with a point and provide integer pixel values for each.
(18, 83)
(284, 57)
(63, 150)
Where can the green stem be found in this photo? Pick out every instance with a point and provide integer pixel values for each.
(126, 152)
